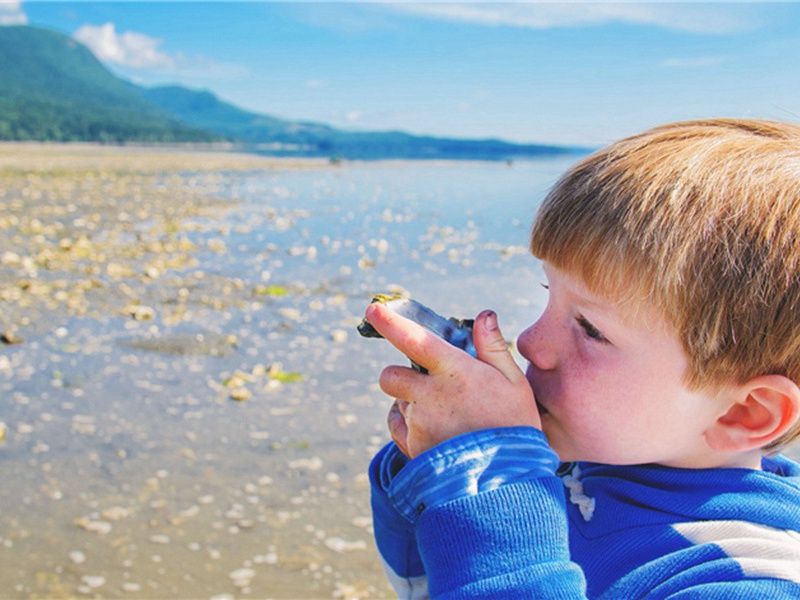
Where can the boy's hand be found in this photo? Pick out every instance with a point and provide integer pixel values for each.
(460, 393)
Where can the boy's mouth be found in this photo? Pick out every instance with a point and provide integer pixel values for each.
(542, 410)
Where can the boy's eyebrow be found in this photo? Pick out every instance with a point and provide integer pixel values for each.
(623, 318)
(589, 301)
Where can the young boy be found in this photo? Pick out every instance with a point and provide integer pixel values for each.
(667, 363)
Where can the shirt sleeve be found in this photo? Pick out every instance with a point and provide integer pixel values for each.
(487, 515)
(394, 534)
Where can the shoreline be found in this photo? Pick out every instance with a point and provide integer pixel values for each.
(82, 156)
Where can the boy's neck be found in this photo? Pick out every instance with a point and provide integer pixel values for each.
(740, 460)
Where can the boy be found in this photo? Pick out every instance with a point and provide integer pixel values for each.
(666, 362)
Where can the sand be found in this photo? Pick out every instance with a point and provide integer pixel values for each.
(157, 438)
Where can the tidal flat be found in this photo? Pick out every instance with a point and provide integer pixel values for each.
(188, 411)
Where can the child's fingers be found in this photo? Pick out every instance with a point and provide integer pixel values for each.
(420, 345)
(402, 382)
(397, 426)
(491, 346)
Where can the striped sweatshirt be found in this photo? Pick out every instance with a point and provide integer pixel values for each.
(492, 514)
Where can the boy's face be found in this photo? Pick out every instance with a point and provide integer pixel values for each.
(609, 382)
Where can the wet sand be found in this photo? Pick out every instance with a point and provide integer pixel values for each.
(188, 411)
(157, 437)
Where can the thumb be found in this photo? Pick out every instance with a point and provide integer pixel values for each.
(491, 347)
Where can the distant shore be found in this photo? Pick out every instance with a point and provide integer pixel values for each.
(140, 158)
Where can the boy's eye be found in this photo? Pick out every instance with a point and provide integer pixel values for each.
(591, 331)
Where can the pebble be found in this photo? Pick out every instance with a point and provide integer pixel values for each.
(310, 464)
(242, 578)
(340, 545)
(77, 557)
(115, 513)
(270, 558)
(9, 338)
(94, 581)
(241, 394)
(160, 539)
(101, 527)
(129, 586)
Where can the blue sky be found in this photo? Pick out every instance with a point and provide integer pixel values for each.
(569, 72)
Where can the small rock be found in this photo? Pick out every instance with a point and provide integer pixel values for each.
(160, 539)
(115, 513)
(101, 527)
(339, 545)
(94, 581)
(241, 394)
(310, 464)
(339, 336)
(9, 338)
(140, 313)
(241, 578)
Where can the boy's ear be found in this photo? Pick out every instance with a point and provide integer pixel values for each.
(763, 409)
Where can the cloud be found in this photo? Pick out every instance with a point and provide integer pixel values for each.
(715, 18)
(11, 13)
(143, 54)
(128, 49)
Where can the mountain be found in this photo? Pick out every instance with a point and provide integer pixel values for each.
(204, 110)
(54, 89)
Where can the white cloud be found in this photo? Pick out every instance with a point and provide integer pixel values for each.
(712, 17)
(11, 13)
(128, 49)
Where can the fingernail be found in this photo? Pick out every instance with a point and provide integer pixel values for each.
(490, 323)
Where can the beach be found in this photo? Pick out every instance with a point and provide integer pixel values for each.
(189, 411)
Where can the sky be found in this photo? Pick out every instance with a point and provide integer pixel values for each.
(575, 73)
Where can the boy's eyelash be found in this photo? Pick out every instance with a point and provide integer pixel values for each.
(545, 286)
(591, 331)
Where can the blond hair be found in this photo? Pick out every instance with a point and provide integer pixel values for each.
(700, 220)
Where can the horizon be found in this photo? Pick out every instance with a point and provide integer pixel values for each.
(573, 74)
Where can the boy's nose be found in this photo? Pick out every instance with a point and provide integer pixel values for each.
(537, 348)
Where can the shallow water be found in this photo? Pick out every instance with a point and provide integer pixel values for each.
(129, 470)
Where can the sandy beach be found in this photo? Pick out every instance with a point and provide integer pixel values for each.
(188, 411)
(155, 442)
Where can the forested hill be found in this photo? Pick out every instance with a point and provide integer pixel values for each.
(52, 88)
(204, 110)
